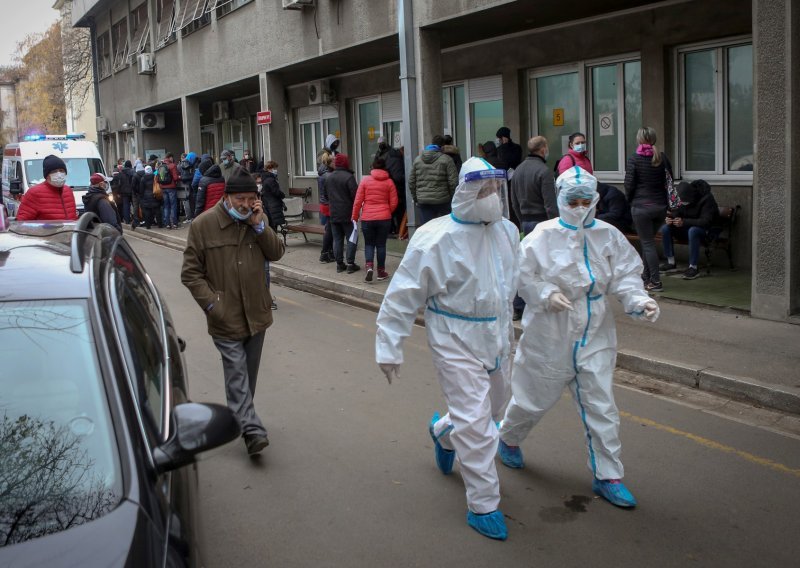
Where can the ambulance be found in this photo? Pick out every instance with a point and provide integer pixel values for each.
(22, 165)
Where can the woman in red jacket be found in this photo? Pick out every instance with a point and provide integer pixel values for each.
(377, 195)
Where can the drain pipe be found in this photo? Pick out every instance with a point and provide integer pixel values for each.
(408, 91)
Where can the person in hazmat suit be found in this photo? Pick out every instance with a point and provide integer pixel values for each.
(569, 266)
(462, 268)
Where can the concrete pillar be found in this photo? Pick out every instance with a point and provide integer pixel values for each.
(275, 136)
(654, 91)
(429, 85)
(190, 113)
(512, 108)
(776, 176)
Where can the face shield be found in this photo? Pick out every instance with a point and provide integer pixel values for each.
(491, 193)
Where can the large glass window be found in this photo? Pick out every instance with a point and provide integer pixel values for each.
(59, 465)
(486, 117)
(369, 130)
(558, 110)
(166, 20)
(140, 30)
(119, 39)
(310, 143)
(472, 113)
(716, 95)
(314, 124)
(104, 55)
(633, 104)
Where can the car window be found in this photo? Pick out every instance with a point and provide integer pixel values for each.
(140, 318)
(59, 464)
(78, 171)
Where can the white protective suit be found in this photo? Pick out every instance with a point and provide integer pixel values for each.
(587, 260)
(462, 269)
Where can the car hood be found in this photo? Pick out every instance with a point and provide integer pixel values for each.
(119, 538)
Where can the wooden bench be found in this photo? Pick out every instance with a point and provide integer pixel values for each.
(298, 214)
(718, 236)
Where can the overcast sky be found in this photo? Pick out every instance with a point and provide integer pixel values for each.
(26, 17)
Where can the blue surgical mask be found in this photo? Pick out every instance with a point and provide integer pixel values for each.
(226, 163)
(579, 147)
(234, 213)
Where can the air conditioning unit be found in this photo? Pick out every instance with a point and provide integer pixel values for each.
(318, 92)
(296, 4)
(151, 120)
(101, 123)
(221, 110)
(147, 63)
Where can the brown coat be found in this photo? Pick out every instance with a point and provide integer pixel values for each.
(223, 264)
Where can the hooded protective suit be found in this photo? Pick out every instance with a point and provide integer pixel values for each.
(586, 260)
(463, 269)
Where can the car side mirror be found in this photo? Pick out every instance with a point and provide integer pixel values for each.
(197, 427)
(15, 186)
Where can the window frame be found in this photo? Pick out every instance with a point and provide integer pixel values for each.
(104, 60)
(171, 37)
(121, 44)
(322, 122)
(721, 115)
(225, 7)
(469, 119)
(201, 17)
(140, 23)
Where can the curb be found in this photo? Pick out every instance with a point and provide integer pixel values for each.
(702, 378)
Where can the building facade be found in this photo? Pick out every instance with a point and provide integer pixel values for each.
(8, 111)
(718, 80)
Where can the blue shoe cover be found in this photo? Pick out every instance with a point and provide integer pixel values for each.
(614, 491)
(491, 524)
(511, 456)
(444, 458)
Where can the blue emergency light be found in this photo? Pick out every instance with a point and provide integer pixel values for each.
(40, 137)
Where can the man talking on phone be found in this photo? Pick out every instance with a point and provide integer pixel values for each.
(223, 268)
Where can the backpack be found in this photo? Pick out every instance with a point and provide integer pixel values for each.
(555, 168)
(163, 174)
(187, 170)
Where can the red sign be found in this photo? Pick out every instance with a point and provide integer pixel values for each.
(264, 117)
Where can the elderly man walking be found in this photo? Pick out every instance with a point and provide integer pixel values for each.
(223, 268)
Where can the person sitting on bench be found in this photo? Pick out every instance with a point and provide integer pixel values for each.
(613, 208)
(689, 222)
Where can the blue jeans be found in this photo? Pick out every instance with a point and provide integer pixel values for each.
(695, 236)
(527, 229)
(375, 235)
(170, 206)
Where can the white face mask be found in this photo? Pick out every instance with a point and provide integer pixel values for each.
(490, 208)
(580, 147)
(581, 211)
(58, 179)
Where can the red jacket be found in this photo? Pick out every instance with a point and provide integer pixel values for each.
(214, 192)
(173, 170)
(573, 158)
(378, 195)
(45, 202)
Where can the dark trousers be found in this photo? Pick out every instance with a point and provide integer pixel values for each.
(527, 229)
(240, 362)
(135, 218)
(375, 235)
(149, 214)
(125, 212)
(189, 203)
(647, 220)
(327, 237)
(428, 212)
(341, 231)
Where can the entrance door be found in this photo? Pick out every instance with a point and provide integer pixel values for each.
(557, 109)
(369, 129)
(208, 141)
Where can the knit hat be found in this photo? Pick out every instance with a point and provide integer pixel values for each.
(341, 162)
(52, 163)
(503, 132)
(148, 169)
(241, 182)
(95, 179)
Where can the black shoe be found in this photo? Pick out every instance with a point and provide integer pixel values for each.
(341, 268)
(668, 267)
(654, 287)
(255, 443)
(326, 257)
(517, 315)
(691, 273)
(353, 267)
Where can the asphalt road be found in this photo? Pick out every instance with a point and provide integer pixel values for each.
(349, 478)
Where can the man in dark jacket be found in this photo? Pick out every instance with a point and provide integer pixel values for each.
(452, 150)
(396, 166)
(147, 199)
(509, 153)
(271, 194)
(533, 195)
(122, 184)
(98, 201)
(340, 187)
(613, 207)
(691, 221)
(236, 302)
(432, 181)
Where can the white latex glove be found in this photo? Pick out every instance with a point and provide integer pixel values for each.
(651, 311)
(559, 302)
(390, 370)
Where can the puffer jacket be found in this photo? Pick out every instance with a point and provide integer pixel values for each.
(377, 195)
(45, 202)
(146, 198)
(340, 186)
(223, 265)
(698, 208)
(455, 155)
(645, 184)
(573, 158)
(322, 173)
(97, 201)
(272, 196)
(433, 178)
(210, 189)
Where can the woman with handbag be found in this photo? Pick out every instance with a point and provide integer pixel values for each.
(648, 177)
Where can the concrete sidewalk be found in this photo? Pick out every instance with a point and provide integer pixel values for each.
(716, 351)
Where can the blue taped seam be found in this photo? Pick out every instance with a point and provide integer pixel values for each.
(462, 221)
(583, 415)
(443, 432)
(567, 225)
(460, 317)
